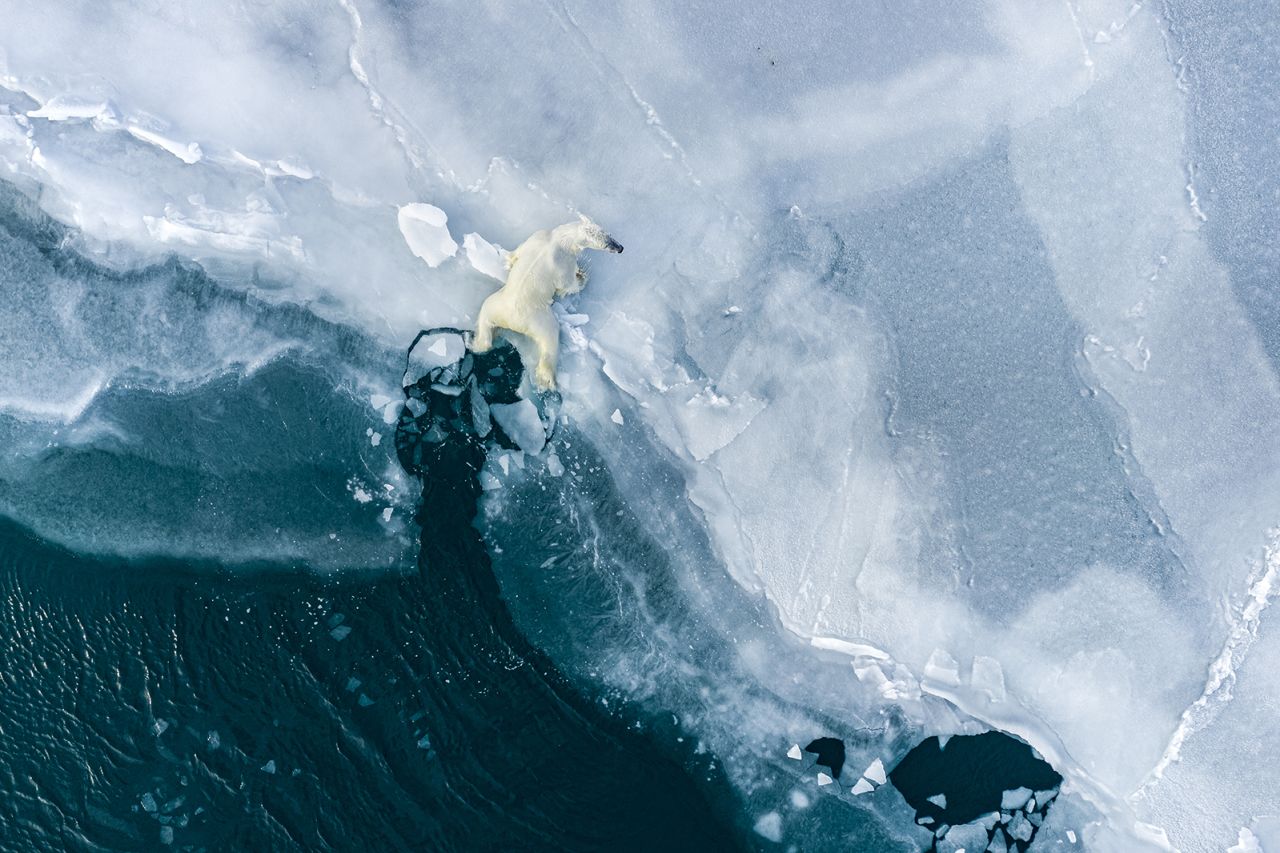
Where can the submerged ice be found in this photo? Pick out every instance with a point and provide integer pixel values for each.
(957, 355)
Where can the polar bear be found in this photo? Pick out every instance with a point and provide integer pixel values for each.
(541, 268)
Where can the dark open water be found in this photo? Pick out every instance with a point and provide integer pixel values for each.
(145, 704)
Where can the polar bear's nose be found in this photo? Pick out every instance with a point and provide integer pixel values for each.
(612, 245)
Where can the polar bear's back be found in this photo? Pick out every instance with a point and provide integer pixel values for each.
(537, 267)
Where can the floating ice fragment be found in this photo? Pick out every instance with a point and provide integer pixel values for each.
(377, 401)
(799, 799)
(770, 826)
(364, 701)
(1020, 828)
(875, 772)
(375, 439)
(362, 496)
(794, 752)
(386, 514)
(149, 802)
(1015, 799)
(424, 742)
(862, 787)
(340, 633)
(520, 421)
(554, 467)
(939, 800)
(824, 779)
(616, 417)
(1071, 836)
(269, 767)
(166, 835)
(352, 684)
(214, 740)
(731, 310)
(159, 726)
(425, 229)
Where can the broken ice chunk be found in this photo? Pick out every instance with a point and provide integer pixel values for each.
(1071, 836)
(485, 257)
(166, 835)
(988, 677)
(554, 466)
(875, 772)
(340, 633)
(520, 421)
(939, 800)
(794, 752)
(480, 413)
(616, 417)
(824, 779)
(1015, 799)
(386, 514)
(269, 767)
(942, 667)
(1020, 828)
(425, 229)
(770, 826)
(862, 787)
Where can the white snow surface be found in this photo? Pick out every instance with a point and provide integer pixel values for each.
(1051, 505)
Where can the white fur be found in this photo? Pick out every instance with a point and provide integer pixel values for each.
(541, 268)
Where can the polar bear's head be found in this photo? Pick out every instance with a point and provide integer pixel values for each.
(592, 236)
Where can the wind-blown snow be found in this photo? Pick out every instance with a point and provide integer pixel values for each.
(927, 308)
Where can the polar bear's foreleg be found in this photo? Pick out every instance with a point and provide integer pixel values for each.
(573, 285)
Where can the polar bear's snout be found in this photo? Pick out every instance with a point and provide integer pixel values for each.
(612, 245)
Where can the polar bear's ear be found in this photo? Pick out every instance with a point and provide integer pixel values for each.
(584, 219)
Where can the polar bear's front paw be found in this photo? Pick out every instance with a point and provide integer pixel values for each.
(545, 377)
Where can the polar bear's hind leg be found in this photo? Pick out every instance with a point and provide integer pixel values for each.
(483, 341)
(545, 332)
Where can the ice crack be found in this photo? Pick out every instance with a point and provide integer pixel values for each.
(1263, 586)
